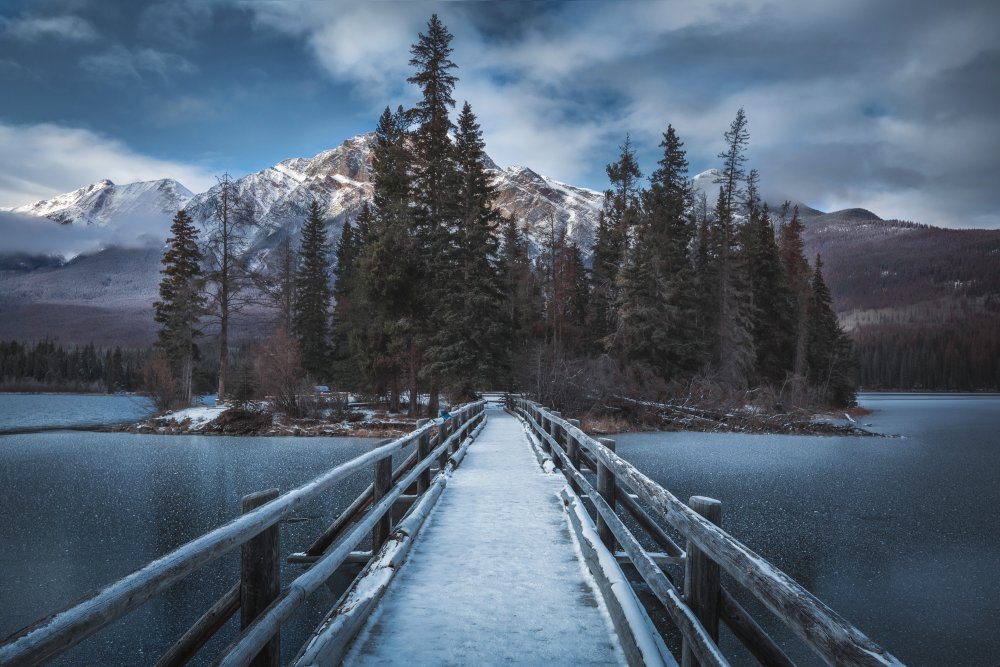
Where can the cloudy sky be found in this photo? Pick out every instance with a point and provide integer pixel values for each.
(887, 104)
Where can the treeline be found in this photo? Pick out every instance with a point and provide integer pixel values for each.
(436, 292)
(48, 366)
(958, 355)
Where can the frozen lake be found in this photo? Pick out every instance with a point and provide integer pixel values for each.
(899, 536)
(31, 411)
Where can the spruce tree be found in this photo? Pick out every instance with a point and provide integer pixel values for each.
(435, 179)
(615, 225)
(467, 350)
(797, 271)
(311, 321)
(772, 313)
(181, 302)
(828, 347)
(345, 273)
(387, 337)
(735, 355)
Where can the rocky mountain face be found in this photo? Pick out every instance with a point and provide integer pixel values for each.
(873, 266)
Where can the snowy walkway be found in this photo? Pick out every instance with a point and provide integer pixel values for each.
(495, 576)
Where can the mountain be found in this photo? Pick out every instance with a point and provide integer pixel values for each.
(878, 270)
(105, 204)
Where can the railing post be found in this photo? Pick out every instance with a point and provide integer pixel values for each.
(572, 446)
(381, 484)
(608, 489)
(546, 425)
(702, 587)
(260, 576)
(554, 429)
(423, 449)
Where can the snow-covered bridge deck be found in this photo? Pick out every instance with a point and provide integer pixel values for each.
(496, 575)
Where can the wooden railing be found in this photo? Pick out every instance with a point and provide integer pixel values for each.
(264, 606)
(704, 602)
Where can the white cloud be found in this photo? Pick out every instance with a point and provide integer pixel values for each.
(29, 28)
(125, 64)
(39, 161)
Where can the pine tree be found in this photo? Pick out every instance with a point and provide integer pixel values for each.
(435, 179)
(386, 338)
(828, 347)
(311, 321)
(792, 250)
(773, 326)
(615, 225)
(348, 253)
(735, 356)
(661, 269)
(181, 303)
(467, 349)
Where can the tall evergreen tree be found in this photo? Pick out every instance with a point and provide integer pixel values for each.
(467, 350)
(387, 337)
(735, 356)
(345, 290)
(435, 179)
(615, 225)
(181, 303)
(313, 294)
(828, 347)
(797, 271)
(772, 307)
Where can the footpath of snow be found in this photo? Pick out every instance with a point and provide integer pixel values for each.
(495, 576)
(200, 416)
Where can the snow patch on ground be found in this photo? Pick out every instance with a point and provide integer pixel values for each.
(200, 416)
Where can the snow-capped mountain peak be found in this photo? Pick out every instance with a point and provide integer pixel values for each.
(104, 203)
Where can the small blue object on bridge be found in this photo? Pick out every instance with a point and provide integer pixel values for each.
(444, 415)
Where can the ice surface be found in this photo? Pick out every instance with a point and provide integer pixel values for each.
(494, 577)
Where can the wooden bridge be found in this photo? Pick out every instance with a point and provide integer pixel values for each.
(519, 560)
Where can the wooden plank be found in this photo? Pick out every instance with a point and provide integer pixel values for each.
(702, 582)
(382, 481)
(53, 635)
(423, 449)
(757, 641)
(185, 648)
(353, 511)
(659, 535)
(835, 640)
(260, 576)
(606, 487)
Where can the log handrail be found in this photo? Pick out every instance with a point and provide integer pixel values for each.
(61, 631)
(834, 639)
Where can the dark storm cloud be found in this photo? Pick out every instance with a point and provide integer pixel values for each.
(890, 105)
